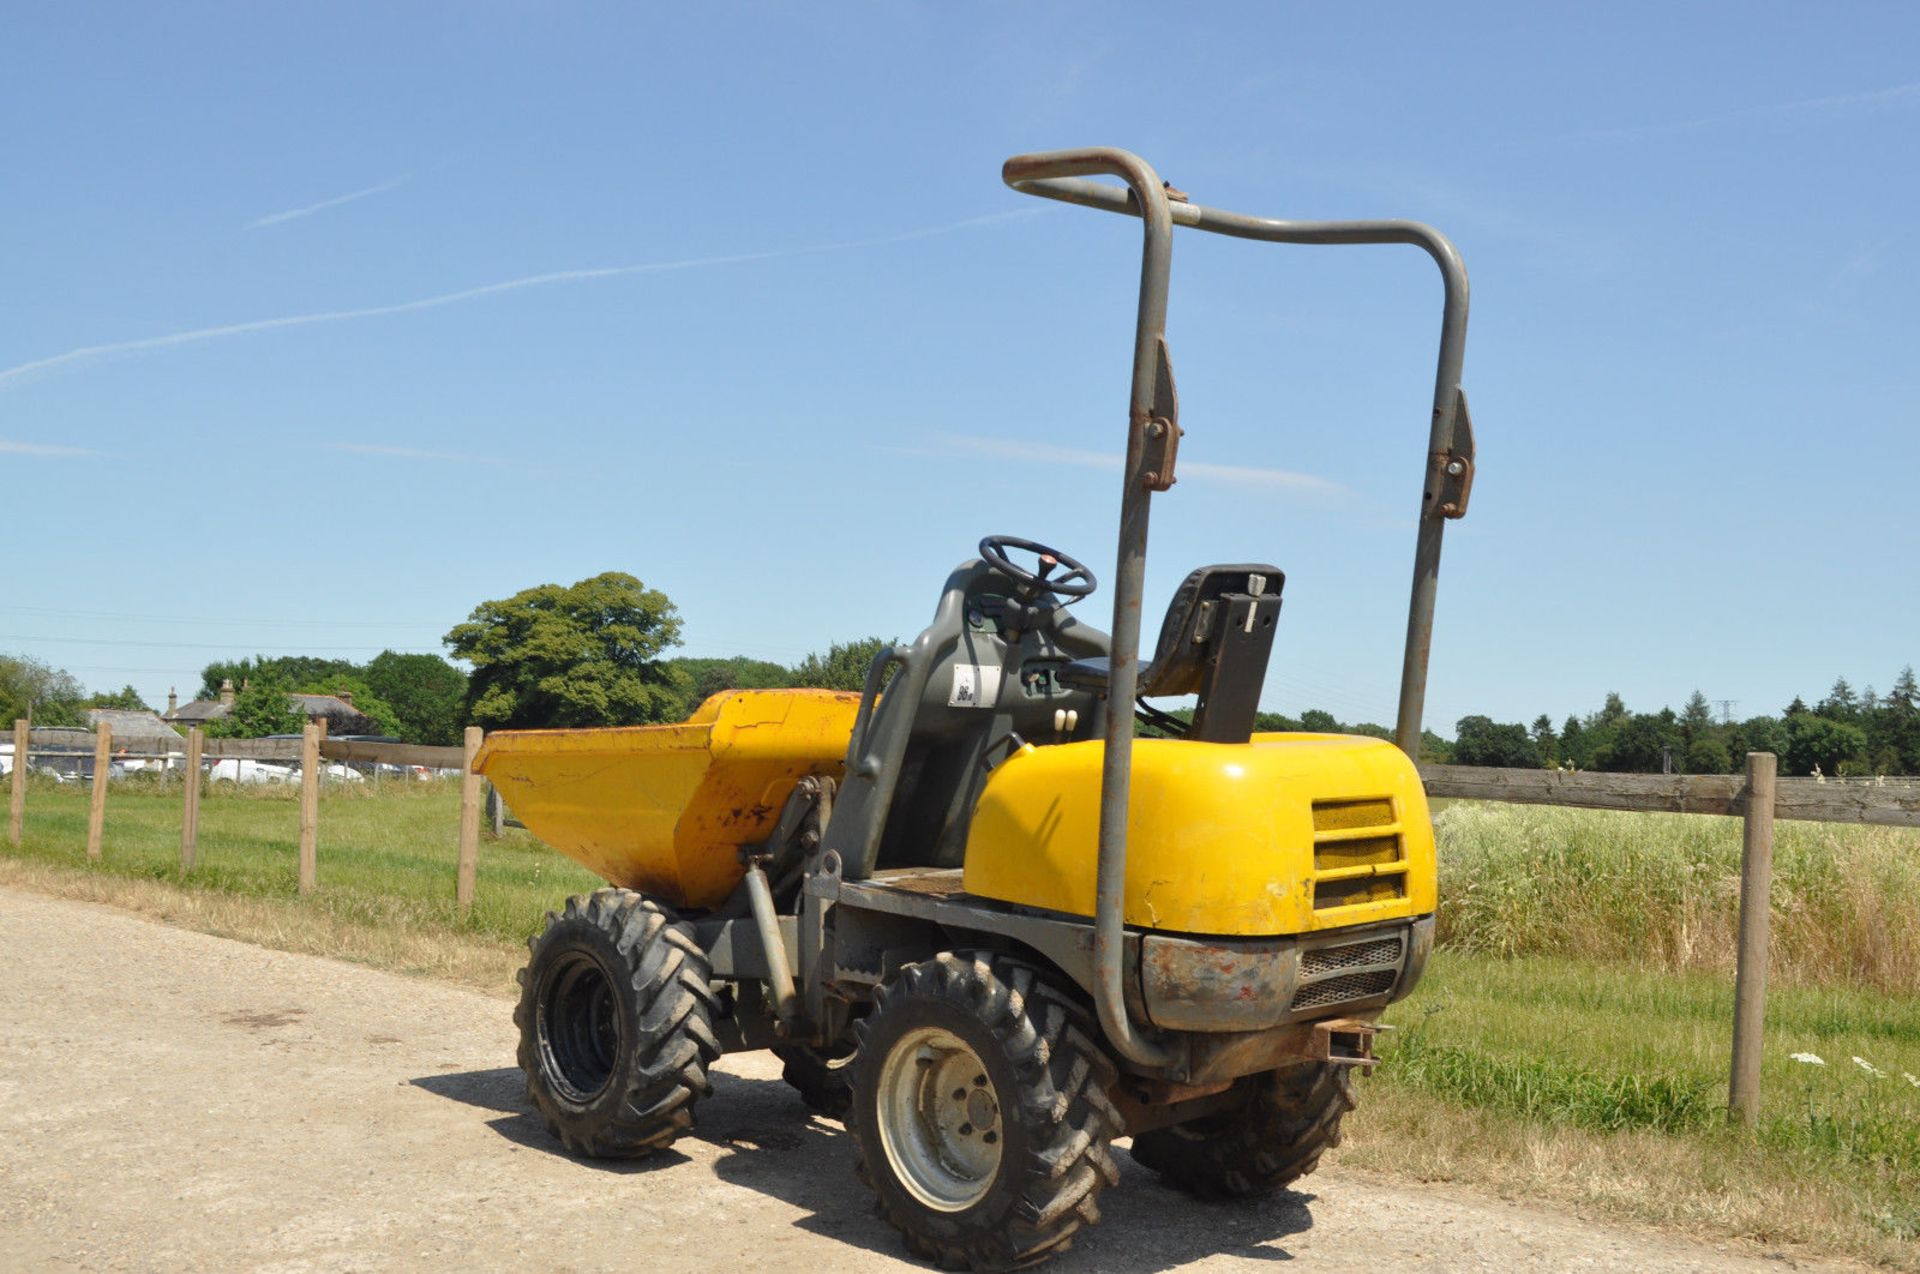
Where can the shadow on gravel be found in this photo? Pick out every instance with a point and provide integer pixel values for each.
(504, 1090)
(774, 1145)
(770, 1143)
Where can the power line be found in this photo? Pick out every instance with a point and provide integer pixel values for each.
(221, 644)
(1726, 710)
(258, 623)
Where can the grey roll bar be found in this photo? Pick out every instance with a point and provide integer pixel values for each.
(1151, 435)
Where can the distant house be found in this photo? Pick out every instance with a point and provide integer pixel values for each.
(140, 731)
(336, 710)
(199, 712)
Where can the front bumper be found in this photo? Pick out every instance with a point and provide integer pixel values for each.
(1236, 984)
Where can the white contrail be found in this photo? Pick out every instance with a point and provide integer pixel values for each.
(90, 353)
(293, 214)
(10, 448)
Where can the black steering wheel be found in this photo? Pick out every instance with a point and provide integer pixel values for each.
(1076, 583)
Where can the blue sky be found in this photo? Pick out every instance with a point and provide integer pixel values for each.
(323, 324)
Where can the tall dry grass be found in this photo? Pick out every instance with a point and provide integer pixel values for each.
(1662, 891)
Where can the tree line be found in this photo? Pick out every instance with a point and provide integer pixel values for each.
(1847, 733)
(596, 653)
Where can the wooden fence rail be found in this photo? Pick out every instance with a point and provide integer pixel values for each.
(1889, 804)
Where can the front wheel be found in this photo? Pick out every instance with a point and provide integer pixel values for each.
(616, 1025)
(1287, 1119)
(981, 1116)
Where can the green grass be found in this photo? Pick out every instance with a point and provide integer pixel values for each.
(386, 855)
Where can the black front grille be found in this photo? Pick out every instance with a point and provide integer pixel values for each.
(1351, 955)
(1350, 986)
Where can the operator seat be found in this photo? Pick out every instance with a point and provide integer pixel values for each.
(1214, 643)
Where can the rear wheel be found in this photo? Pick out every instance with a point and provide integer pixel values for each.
(616, 1025)
(1288, 1119)
(980, 1112)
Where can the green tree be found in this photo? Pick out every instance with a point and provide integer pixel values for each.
(1902, 709)
(51, 696)
(706, 678)
(842, 667)
(581, 655)
(1576, 747)
(1273, 723)
(427, 694)
(1545, 740)
(1840, 704)
(1696, 719)
(1817, 741)
(126, 698)
(261, 709)
(1640, 745)
(1482, 741)
(1319, 721)
(1708, 755)
(287, 670)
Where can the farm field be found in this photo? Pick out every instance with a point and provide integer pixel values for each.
(1569, 1041)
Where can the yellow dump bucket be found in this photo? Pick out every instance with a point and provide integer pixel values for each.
(664, 809)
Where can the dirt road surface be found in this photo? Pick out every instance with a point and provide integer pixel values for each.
(174, 1101)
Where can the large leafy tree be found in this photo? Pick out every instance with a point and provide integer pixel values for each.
(427, 695)
(585, 654)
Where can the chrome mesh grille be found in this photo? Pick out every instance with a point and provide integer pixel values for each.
(1352, 955)
(1350, 986)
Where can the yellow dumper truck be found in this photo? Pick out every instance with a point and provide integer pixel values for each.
(981, 921)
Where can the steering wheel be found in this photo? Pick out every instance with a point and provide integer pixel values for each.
(1076, 583)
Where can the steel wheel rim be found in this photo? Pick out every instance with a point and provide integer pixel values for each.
(580, 1032)
(939, 1119)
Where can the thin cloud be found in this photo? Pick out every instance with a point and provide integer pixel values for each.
(1871, 99)
(11, 448)
(1046, 453)
(407, 453)
(294, 214)
(94, 353)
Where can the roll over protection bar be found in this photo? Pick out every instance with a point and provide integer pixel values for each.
(1152, 434)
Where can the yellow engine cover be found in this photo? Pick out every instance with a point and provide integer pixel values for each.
(1288, 833)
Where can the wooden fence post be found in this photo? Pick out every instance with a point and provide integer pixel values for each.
(17, 803)
(1756, 917)
(190, 812)
(469, 823)
(97, 814)
(309, 807)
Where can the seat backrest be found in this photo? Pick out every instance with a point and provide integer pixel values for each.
(1196, 619)
(1215, 643)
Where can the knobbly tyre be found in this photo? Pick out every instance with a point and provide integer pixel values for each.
(979, 920)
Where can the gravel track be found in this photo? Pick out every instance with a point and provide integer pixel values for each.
(170, 1100)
